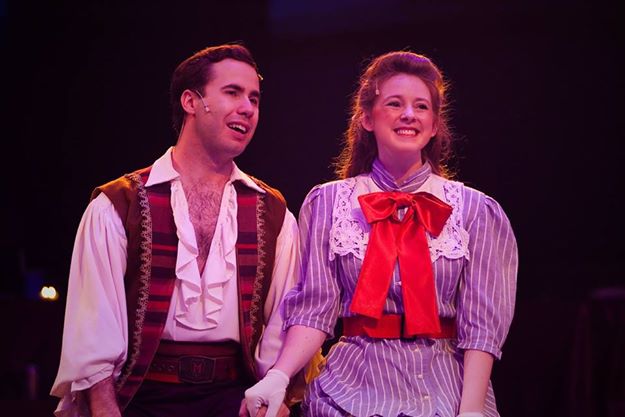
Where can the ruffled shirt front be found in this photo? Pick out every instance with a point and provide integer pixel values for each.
(199, 299)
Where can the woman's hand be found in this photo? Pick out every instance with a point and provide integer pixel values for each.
(269, 391)
(299, 347)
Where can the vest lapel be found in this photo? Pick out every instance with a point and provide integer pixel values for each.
(154, 295)
(248, 268)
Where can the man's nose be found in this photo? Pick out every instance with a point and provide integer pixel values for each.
(247, 108)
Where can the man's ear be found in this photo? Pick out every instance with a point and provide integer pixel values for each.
(187, 102)
(365, 121)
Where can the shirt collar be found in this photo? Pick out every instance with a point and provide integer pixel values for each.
(239, 175)
(386, 182)
(163, 171)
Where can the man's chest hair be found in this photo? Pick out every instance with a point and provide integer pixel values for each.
(204, 200)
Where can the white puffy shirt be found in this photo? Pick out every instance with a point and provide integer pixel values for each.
(204, 307)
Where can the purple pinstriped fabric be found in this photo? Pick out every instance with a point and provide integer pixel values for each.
(420, 377)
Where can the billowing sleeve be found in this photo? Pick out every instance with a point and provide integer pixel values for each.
(95, 330)
(488, 284)
(314, 302)
(285, 272)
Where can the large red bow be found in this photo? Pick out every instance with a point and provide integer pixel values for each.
(392, 238)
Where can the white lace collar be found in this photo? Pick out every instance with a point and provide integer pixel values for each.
(349, 233)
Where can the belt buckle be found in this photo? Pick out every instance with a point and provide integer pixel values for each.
(196, 369)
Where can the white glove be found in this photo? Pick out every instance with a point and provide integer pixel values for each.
(268, 391)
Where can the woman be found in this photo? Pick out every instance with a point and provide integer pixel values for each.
(421, 269)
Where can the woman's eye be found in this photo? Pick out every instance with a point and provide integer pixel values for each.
(393, 104)
(232, 92)
(422, 106)
(254, 101)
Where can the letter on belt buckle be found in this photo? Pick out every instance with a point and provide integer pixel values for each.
(196, 369)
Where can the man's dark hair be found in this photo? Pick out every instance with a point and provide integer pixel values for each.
(195, 72)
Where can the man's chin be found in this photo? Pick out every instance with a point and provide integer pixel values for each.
(238, 148)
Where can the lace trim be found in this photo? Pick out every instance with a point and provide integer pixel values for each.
(261, 210)
(453, 242)
(145, 271)
(350, 235)
(347, 235)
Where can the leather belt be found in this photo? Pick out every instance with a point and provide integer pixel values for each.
(196, 363)
(390, 326)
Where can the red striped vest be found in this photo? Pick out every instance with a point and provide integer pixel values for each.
(150, 273)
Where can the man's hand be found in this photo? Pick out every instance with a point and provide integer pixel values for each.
(262, 412)
(269, 391)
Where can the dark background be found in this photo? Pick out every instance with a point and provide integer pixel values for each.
(537, 109)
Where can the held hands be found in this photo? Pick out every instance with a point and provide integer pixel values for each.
(283, 412)
(269, 391)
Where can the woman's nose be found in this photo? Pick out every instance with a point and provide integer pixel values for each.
(408, 113)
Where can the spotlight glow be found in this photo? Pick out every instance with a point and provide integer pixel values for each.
(49, 293)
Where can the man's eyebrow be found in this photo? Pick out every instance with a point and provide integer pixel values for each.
(237, 87)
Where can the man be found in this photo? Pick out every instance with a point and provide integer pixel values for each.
(178, 269)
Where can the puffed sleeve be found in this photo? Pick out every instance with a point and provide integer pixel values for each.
(314, 302)
(95, 330)
(284, 277)
(488, 284)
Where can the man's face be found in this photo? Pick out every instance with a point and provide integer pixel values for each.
(232, 97)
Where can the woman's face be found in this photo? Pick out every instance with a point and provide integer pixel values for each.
(402, 118)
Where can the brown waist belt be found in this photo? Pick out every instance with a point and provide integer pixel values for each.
(196, 363)
(391, 326)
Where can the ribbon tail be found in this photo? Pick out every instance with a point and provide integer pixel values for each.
(418, 289)
(376, 272)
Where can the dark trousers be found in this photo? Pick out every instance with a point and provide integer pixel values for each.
(161, 399)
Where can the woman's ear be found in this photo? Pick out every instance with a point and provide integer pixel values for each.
(435, 128)
(365, 121)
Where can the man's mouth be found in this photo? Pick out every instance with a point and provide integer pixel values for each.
(237, 127)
